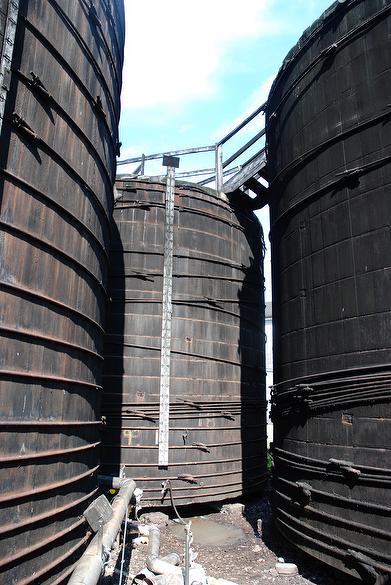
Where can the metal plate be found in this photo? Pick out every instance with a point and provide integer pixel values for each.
(98, 512)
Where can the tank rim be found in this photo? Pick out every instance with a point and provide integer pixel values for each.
(161, 180)
(309, 33)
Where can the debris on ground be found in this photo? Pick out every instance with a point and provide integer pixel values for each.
(286, 569)
(236, 544)
(140, 540)
(157, 518)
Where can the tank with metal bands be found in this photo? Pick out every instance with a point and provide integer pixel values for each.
(60, 70)
(217, 385)
(329, 159)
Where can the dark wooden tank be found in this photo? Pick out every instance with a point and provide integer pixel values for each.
(329, 158)
(217, 401)
(57, 166)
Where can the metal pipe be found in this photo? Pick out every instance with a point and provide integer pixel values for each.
(158, 565)
(243, 124)
(90, 567)
(172, 558)
(219, 168)
(225, 173)
(156, 156)
(113, 482)
(142, 165)
(187, 554)
(195, 173)
(244, 148)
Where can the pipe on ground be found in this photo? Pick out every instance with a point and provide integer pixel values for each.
(90, 567)
(172, 558)
(155, 564)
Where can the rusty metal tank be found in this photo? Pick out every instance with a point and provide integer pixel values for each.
(59, 111)
(217, 444)
(329, 155)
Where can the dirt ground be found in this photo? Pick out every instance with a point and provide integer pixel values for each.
(246, 558)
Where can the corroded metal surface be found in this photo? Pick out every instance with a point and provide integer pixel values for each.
(57, 165)
(217, 389)
(329, 160)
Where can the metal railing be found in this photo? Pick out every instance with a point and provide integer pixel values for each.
(220, 169)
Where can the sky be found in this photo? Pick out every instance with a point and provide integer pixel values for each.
(194, 69)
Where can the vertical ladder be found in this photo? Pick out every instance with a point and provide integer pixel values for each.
(171, 163)
(7, 41)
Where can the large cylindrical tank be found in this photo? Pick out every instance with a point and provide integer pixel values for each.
(329, 155)
(57, 167)
(217, 386)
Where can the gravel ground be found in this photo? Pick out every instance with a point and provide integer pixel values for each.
(248, 561)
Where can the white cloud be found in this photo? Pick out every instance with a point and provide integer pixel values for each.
(175, 48)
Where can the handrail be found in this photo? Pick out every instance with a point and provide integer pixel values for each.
(244, 123)
(205, 171)
(220, 170)
(244, 148)
(183, 151)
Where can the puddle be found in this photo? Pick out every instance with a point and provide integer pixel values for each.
(208, 533)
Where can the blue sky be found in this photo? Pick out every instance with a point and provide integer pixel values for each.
(193, 69)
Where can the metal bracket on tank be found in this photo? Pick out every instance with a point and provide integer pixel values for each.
(187, 477)
(201, 447)
(345, 467)
(37, 86)
(364, 567)
(99, 106)
(23, 127)
(191, 403)
(305, 493)
(226, 414)
(301, 399)
(6, 53)
(350, 175)
(140, 414)
(329, 51)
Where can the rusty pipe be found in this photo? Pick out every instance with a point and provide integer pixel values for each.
(90, 567)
